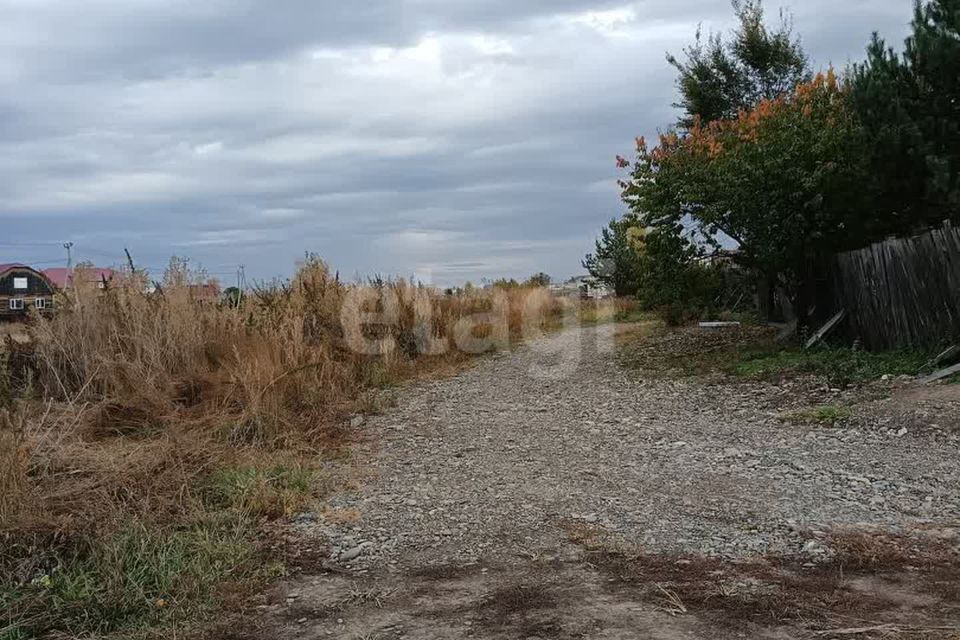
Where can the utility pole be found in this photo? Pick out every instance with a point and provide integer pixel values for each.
(69, 246)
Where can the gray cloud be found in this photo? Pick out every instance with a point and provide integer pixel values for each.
(454, 138)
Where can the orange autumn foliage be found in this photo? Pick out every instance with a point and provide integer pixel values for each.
(783, 179)
(824, 92)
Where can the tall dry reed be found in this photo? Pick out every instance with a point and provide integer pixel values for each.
(278, 370)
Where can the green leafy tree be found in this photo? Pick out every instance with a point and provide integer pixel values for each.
(719, 79)
(933, 53)
(671, 276)
(783, 180)
(615, 261)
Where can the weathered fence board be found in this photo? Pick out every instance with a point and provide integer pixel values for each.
(903, 293)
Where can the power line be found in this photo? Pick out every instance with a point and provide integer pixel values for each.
(99, 252)
(31, 244)
(42, 263)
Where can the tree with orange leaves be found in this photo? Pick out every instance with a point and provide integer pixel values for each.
(784, 180)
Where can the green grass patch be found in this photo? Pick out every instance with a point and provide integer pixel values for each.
(829, 415)
(260, 492)
(139, 579)
(634, 315)
(840, 367)
(136, 580)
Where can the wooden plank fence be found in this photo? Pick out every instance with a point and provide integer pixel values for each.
(903, 293)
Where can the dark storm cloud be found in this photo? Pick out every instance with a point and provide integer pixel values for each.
(447, 138)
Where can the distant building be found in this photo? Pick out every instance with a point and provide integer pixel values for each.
(586, 287)
(208, 292)
(64, 279)
(722, 257)
(202, 292)
(23, 288)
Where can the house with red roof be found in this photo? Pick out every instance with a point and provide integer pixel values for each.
(63, 278)
(23, 288)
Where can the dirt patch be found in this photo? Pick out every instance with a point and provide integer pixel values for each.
(658, 350)
(529, 608)
(611, 595)
(517, 599)
(895, 582)
(928, 410)
(555, 601)
(443, 572)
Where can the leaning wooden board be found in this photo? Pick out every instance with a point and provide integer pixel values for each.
(940, 375)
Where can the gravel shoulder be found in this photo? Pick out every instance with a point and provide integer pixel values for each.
(486, 497)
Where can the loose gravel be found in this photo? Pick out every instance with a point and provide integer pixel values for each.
(496, 464)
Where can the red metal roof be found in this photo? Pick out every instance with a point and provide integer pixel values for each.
(10, 265)
(62, 278)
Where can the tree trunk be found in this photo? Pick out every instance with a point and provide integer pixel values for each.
(805, 295)
(767, 298)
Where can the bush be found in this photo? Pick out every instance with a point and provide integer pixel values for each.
(676, 314)
(697, 292)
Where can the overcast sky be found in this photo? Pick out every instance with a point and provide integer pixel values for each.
(452, 139)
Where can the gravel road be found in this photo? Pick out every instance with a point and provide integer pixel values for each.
(492, 469)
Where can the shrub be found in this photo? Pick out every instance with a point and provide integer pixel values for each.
(675, 314)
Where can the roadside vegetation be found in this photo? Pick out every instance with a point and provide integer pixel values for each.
(753, 352)
(625, 310)
(146, 439)
(840, 367)
(787, 165)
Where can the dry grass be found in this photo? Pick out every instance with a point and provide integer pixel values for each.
(168, 385)
(610, 310)
(134, 420)
(877, 551)
(895, 583)
(517, 599)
